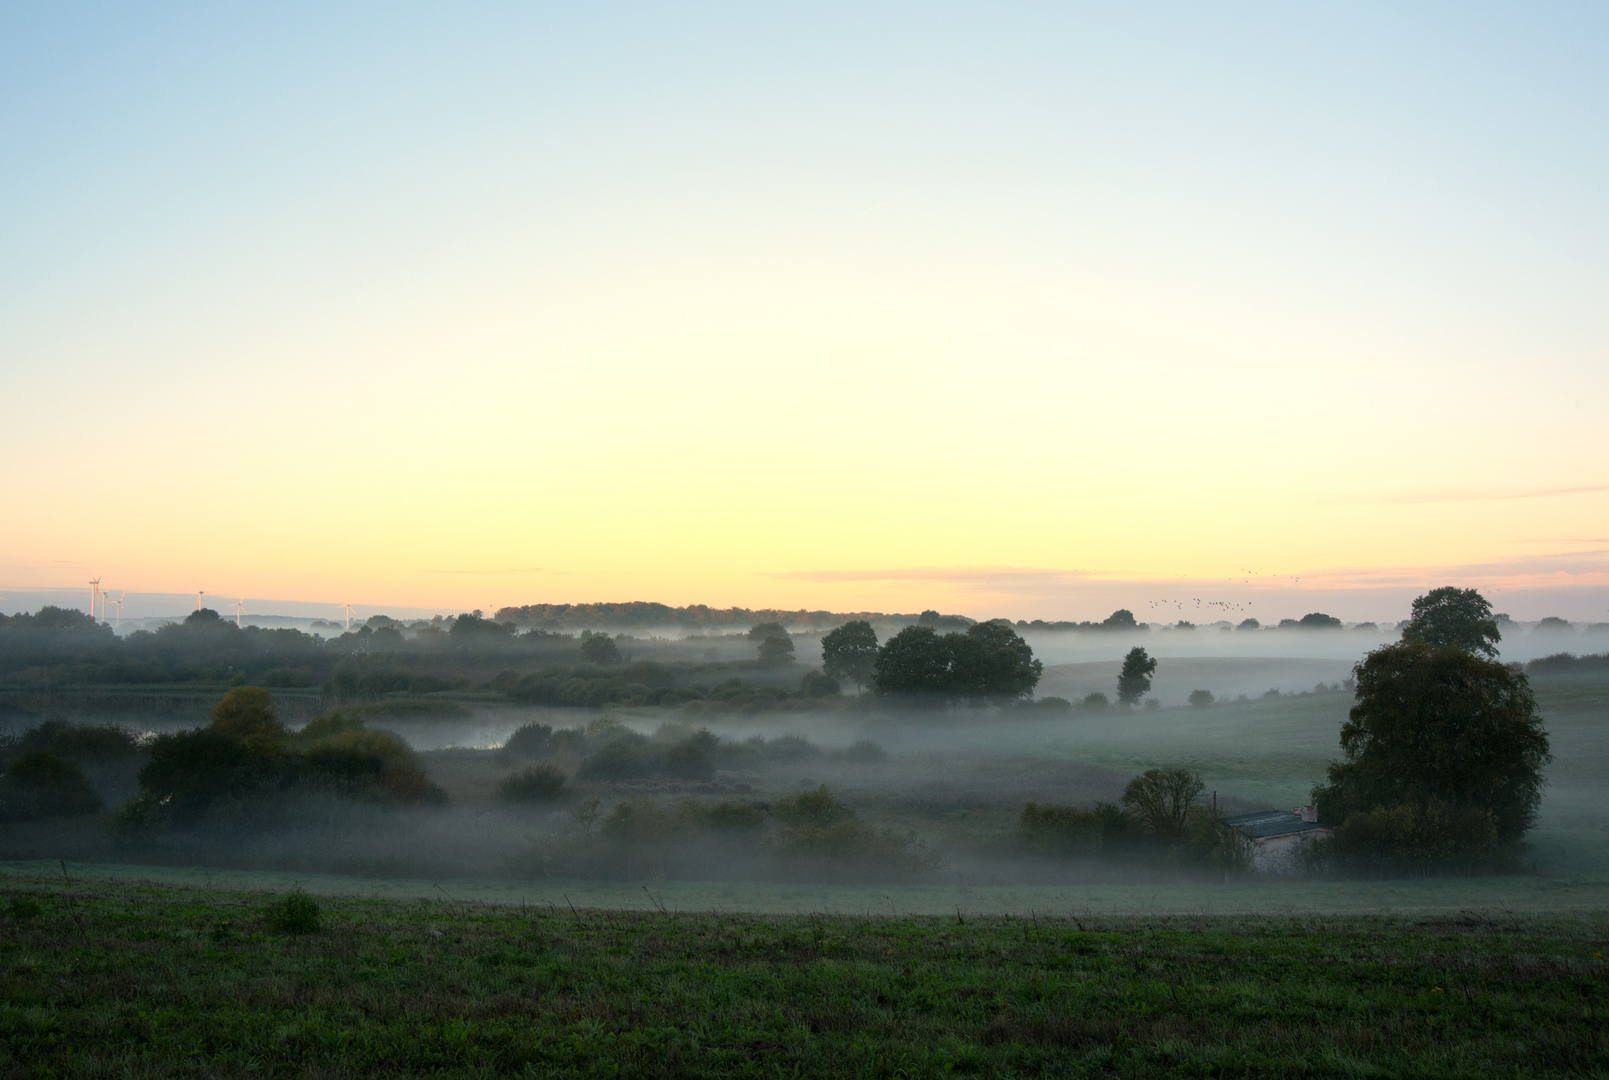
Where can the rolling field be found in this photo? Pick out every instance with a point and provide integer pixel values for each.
(103, 979)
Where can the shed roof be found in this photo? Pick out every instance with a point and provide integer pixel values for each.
(1267, 823)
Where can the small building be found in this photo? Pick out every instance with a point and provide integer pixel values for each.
(1274, 840)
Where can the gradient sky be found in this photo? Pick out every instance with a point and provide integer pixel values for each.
(998, 308)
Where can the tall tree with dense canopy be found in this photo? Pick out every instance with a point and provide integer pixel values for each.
(1461, 618)
(850, 653)
(987, 661)
(1134, 681)
(1439, 726)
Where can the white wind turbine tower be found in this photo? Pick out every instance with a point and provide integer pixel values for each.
(119, 602)
(240, 610)
(350, 611)
(94, 594)
(199, 594)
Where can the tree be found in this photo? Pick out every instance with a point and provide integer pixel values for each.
(247, 713)
(1134, 681)
(1121, 619)
(913, 661)
(850, 653)
(1439, 726)
(988, 661)
(1201, 698)
(1317, 620)
(775, 646)
(1163, 799)
(1461, 618)
(599, 649)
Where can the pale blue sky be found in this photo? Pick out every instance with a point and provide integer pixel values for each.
(1275, 254)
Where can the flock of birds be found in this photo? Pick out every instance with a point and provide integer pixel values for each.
(1221, 607)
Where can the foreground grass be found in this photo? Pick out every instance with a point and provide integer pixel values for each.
(132, 980)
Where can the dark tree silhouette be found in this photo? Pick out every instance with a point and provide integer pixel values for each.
(1461, 618)
(1134, 681)
(1439, 725)
(850, 653)
(600, 649)
(988, 661)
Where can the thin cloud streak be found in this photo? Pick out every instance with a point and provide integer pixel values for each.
(960, 575)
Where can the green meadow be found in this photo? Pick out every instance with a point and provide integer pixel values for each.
(105, 978)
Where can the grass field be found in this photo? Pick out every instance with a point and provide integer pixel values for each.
(108, 979)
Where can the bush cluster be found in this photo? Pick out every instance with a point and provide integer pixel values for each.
(245, 763)
(607, 750)
(537, 783)
(809, 836)
(1160, 815)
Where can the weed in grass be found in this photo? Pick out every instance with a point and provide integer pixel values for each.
(294, 913)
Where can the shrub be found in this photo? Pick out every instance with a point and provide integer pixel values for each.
(862, 752)
(820, 835)
(1053, 704)
(360, 760)
(622, 758)
(528, 741)
(294, 913)
(693, 758)
(817, 684)
(40, 785)
(502, 682)
(732, 816)
(1095, 702)
(539, 783)
(1200, 699)
(105, 743)
(1059, 830)
(247, 713)
(1435, 835)
(637, 820)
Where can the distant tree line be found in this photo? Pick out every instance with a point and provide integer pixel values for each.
(642, 615)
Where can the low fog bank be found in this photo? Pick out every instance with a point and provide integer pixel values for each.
(1279, 897)
(944, 789)
(468, 749)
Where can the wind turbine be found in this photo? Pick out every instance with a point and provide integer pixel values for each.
(199, 594)
(240, 610)
(94, 594)
(119, 602)
(350, 611)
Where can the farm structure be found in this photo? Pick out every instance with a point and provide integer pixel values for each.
(1274, 840)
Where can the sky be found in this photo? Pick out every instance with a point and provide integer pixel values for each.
(1008, 309)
